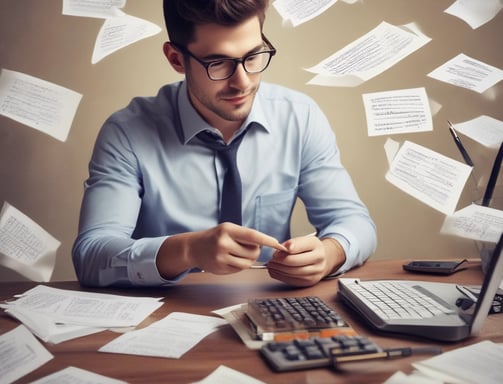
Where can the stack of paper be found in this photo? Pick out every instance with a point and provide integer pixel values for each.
(473, 364)
(56, 315)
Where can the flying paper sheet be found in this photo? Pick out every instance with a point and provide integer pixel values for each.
(475, 222)
(37, 103)
(485, 130)
(26, 247)
(300, 11)
(430, 177)
(475, 12)
(401, 111)
(119, 32)
(466, 72)
(93, 8)
(369, 55)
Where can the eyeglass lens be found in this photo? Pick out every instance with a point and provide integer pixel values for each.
(225, 68)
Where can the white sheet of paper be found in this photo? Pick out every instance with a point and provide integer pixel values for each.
(415, 377)
(475, 12)
(47, 328)
(485, 130)
(477, 363)
(466, 72)
(428, 176)
(25, 247)
(92, 8)
(226, 375)
(170, 337)
(85, 308)
(391, 148)
(298, 12)
(234, 315)
(382, 47)
(20, 354)
(37, 103)
(74, 375)
(398, 111)
(475, 222)
(119, 32)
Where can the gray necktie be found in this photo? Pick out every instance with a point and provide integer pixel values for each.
(230, 209)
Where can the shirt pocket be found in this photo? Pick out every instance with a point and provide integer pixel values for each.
(273, 212)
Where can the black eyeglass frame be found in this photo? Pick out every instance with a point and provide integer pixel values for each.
(206, 64)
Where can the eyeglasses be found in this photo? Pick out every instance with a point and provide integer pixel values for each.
(222, 69)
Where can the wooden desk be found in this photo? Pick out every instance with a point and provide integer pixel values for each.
(201, 293)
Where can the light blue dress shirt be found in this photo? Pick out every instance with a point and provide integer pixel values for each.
(151, 177)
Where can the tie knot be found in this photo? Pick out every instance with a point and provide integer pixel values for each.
(218, 145)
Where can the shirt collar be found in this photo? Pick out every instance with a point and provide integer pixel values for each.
(192, 123)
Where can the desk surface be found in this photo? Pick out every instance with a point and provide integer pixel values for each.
(200, 293)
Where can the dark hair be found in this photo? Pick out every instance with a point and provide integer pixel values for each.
(182, 16)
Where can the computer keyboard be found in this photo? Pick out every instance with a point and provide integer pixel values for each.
(317, 352)
(288, 318)
(394, 300)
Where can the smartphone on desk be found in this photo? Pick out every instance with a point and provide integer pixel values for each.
(434, 266)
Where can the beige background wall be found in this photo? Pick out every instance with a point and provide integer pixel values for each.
(42, 177)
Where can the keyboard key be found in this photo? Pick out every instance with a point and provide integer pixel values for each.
(288, 318)
(315, 352)
(394, 300)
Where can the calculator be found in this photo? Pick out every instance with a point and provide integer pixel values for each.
(290, 318)
(318, 352)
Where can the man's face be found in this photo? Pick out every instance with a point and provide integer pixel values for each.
(223, 103)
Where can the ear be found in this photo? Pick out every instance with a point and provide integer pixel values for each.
(174, 57)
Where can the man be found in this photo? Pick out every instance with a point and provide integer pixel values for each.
(155, 205)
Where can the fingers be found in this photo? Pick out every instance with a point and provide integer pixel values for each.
(229, 248)
(262, 240)
(300, 277)
(304, 250)
(303, 265)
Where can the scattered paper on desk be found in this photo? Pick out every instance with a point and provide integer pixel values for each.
(37, 103)
(57, 315)
(120, 31)
(95, 8)
(297, 12)
(87, 308)
(474, 364)
(25, 247)
(466, 72)
(475, 222)
(485, 130)
(48, 329)
(382, 47)
(430, 177)
(236, 317)
(475, 12)
(20, 354)
(415, 377)
(399, 111)
(226, 375)
(74, 375)
(170, 337)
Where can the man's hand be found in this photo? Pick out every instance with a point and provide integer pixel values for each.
(307, 261)
(224, 249)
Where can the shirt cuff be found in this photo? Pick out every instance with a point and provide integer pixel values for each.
(348, 264)
(142, 268)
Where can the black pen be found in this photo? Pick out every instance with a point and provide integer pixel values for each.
(491, 184)
(387, 354)
(460, 145)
